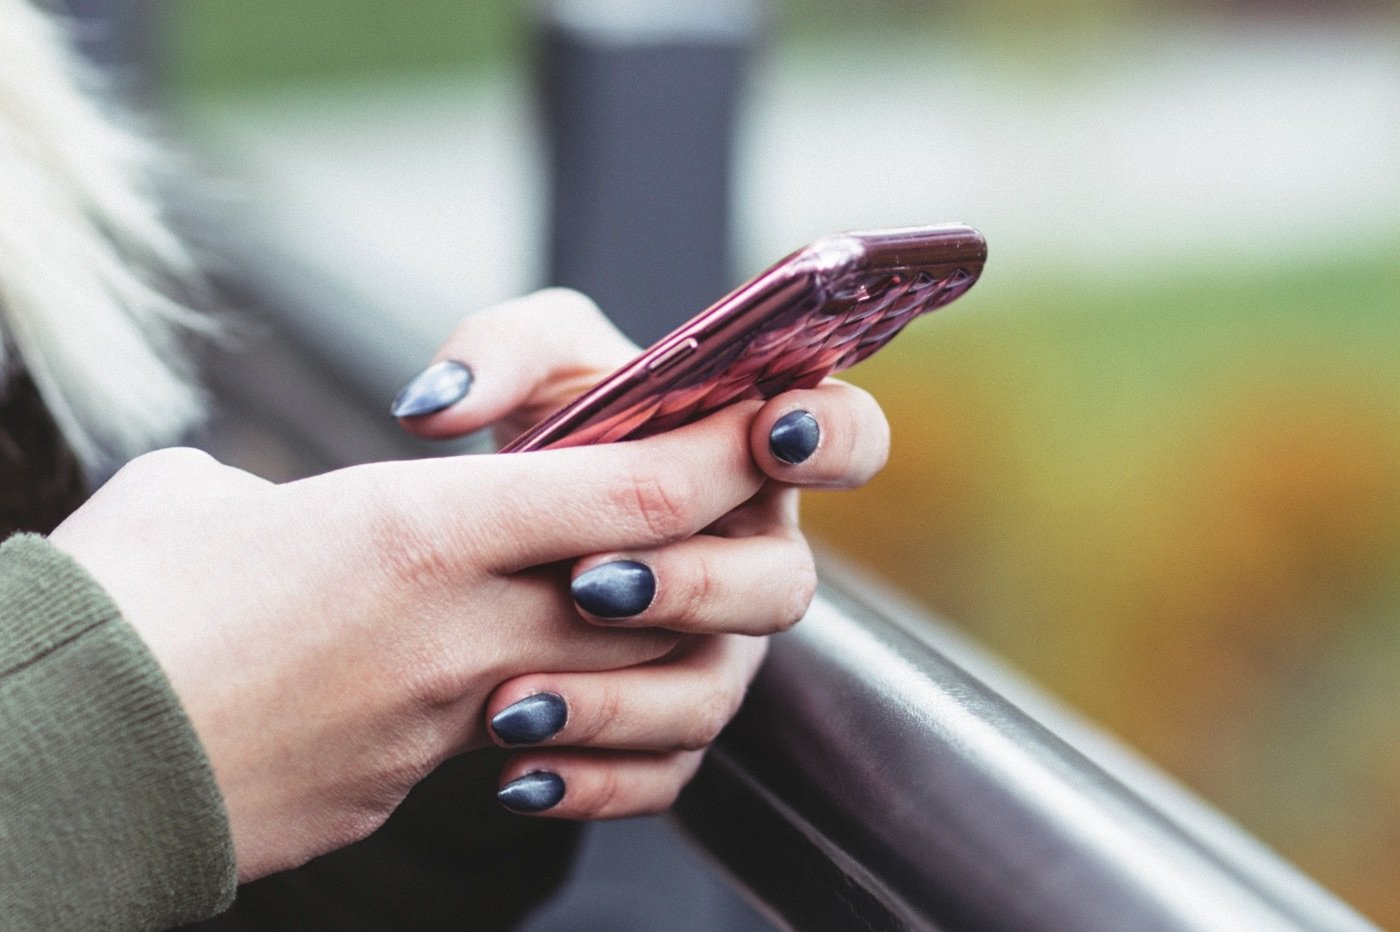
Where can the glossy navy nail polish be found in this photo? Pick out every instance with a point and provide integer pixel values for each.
(437, 387)
(619, 589)
(534, 792)
(531, 720)
(794, 437)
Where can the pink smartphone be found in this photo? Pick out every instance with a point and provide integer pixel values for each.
(820, 310)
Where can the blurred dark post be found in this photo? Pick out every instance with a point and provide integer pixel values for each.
(119, 37)
(641, 101)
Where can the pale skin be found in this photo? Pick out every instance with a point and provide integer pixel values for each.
(335, 639)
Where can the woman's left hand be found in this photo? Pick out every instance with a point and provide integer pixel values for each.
(625, 742)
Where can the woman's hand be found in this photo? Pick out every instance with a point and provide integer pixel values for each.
(623, 742)
(334, 639)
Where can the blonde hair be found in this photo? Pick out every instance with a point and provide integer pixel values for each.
(84, 251)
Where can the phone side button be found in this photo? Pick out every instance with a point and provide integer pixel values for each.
(672, 355)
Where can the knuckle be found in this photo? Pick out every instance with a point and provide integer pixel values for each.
(708, 719)
(863, 404)
(433, 686)
(178, 474)
(700, 588)
(660, 504)
(868, 450)
(569, 302)
(859, 434)
(409, 762)
(666, 794)
(788, 619)
(664, 800)
(423, 676)
(167, 462)
(605, 795)
(801, 593)
(603, 713)
(881, 427)
(177, 456)
(409, 552)
(870, 437)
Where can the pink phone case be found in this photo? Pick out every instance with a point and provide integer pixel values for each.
(820, 310)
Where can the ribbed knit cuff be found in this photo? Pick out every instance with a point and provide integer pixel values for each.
(109, 813)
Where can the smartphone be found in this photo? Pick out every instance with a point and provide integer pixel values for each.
(822, 309)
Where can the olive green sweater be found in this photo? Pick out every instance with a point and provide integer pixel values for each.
(109, 814)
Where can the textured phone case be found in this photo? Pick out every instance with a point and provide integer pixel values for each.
(795, 327)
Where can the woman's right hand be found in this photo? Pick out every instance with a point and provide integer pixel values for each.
(334, 639)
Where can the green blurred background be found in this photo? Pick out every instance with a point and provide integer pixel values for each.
(1164, 483)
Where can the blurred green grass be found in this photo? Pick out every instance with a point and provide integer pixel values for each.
(236, 47)
(251, 46)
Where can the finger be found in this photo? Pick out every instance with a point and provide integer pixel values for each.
(546, 632)
(679, 704)
(522, 358)
(705, 584)
(832, 436)
(590, 785)
(562, 504)
(773, 511)
(451, 669)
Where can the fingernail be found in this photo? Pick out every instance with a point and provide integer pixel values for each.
(531, 720)
(615, 590)
(534, 792)
(794, 437)
(439, 386)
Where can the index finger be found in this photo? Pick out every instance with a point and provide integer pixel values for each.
(521, 359)
(561, 504)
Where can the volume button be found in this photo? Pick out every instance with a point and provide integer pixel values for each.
(673, 355)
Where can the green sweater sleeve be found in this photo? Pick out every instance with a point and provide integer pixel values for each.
(109, 814)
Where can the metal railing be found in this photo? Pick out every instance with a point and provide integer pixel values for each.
(906, 792)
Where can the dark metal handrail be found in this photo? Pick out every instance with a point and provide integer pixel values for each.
(873, 781)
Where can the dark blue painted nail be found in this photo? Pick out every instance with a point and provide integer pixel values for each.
(619, 589)
(794, 437)
(534, 792)
(531, 720)
(439, 386)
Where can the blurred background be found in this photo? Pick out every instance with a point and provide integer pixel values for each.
(1153, 458)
